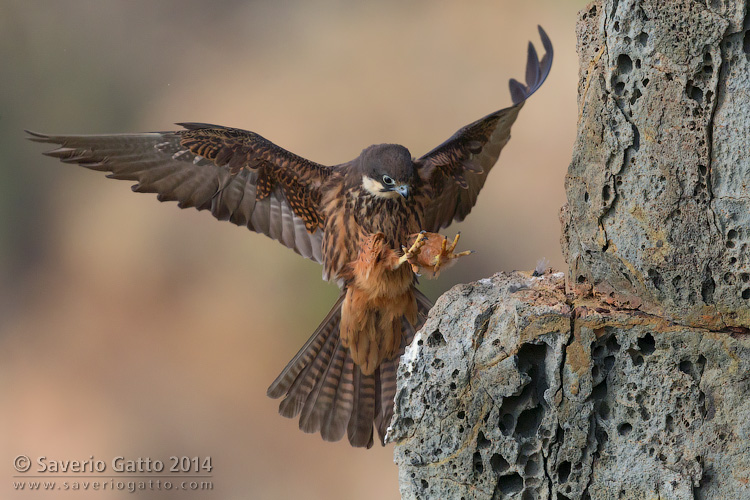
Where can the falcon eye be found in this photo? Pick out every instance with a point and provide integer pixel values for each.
(388, 181)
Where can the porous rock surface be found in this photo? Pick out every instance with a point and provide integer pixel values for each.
(658, 189)
(513, 390)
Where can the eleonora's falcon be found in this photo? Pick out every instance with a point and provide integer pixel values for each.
(356, 219)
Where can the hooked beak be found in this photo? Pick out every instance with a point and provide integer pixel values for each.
(403, 190)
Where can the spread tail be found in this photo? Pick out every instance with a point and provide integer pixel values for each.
(329, 392)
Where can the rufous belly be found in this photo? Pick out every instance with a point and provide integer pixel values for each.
(378, 296)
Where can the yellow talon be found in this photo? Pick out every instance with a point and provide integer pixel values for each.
(453, 245)
(413, 251)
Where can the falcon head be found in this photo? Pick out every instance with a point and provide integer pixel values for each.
(387, 170)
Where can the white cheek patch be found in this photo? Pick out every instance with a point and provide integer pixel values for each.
(376, 189)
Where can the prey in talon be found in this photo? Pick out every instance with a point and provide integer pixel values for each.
(435, 253)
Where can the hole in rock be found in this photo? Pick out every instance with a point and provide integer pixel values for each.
(529, 421)
(509, 484)
(563, 471)
(477, 463)
(498, 463)
(436, 339)
(482, 441)
(647, 344)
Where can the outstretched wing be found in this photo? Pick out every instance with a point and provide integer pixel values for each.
(236, 174)
(456, 170)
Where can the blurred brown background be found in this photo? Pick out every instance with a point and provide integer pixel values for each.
(130, 327)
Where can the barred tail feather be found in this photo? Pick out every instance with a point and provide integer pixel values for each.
(304, 383)
(359, 430)
(386, 391)
(307, 353)
(321, 398)
(329, 392)
(340, 412)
